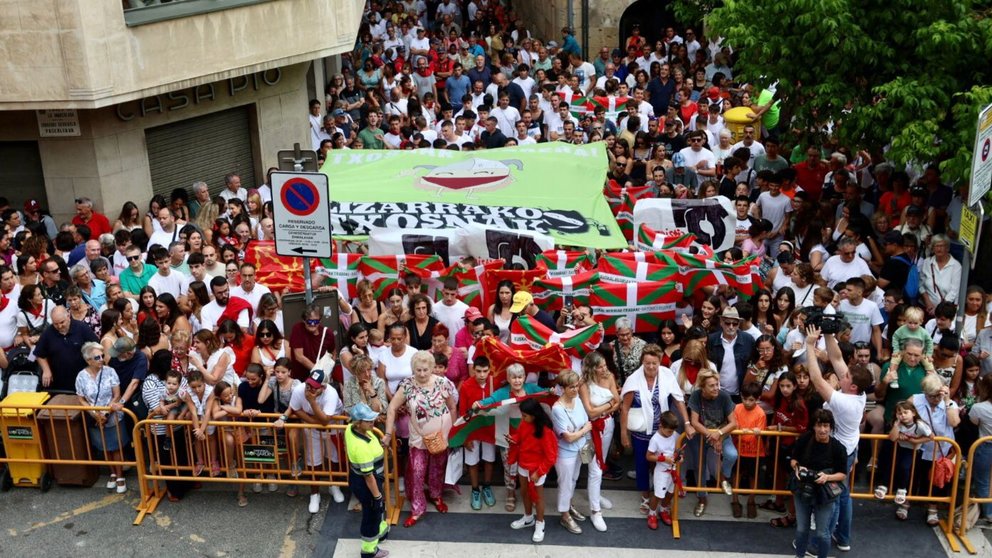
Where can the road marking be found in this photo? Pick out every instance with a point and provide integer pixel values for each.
(108, 500)
(288, 542)
(347, 548)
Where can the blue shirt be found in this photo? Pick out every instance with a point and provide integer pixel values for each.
(98, 294)
(569, 420)
(571, 46)
(457, 88)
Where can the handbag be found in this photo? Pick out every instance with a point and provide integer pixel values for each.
(586, 453)
(136, 404)
(435, 442)
(943, 467)
(636, 419)
(831, 491)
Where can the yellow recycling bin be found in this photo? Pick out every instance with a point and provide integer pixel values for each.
(22, 441)
(736, 119)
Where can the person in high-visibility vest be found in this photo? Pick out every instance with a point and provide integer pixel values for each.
(365, 478)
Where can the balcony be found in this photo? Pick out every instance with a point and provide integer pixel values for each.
(88, 54)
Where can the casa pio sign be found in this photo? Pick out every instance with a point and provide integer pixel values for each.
(301, 211)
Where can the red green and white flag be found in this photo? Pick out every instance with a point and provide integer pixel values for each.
(646, 304)
(650, 239)
(386, 272)
(549, 294)
(528, 333)
(614, 105)
(652, 257)
(698, 271)
(469, 280)
(481, 425)
(562, 263)
(617, 270)
(342, 273)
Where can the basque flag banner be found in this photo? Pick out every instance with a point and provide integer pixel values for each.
(616, 270)
(385, 272)
(342, 273)
(646, 304)
(528, 333)
(563, 263)
(549, 294)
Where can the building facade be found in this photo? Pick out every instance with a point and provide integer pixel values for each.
(119, 104)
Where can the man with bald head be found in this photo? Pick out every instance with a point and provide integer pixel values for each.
(59, 351)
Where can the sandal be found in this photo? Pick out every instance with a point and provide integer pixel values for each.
(198, 469)
(932, 518)
(700, 509)
(900, 496)
(752, 510)
(440, 505)
(770, 505)
(784, 521)
(511, 500)
(644, 506)
(881, 491)
(736, 509)
(902, 512)
(242, 501)
(411, 521)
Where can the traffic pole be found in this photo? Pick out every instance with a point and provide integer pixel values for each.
(306, 280)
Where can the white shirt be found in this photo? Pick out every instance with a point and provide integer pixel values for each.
(506, 118)
(848, 411)
(728, 368)
(774, 208)
(527, 84)
(8, 321)
(211, 312)
(692, 157)
(453, 317)
(836, 270)
(862, 318)
(940, 284)
(253, 297)
(227, 194)
(328, 401)
(172, 283)
(163, 238)
(755, 148)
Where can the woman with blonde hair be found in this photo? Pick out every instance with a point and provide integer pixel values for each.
(600, 396)
(573, 427)
(694, 360)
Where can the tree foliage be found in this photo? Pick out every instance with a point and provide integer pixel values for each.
(911, 75)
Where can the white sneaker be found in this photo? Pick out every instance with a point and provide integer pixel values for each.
(256, 488)
(337, 495)
(121, 485)
(597, 521)
(605, 503)
(112, 483)
(538, 532)
(632, 474)
(523, 522)
(273, 487)
(314, 503)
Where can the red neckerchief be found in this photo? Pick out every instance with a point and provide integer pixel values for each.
(37, 312)
(4, 301)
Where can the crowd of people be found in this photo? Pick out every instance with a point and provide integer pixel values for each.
(158, 309)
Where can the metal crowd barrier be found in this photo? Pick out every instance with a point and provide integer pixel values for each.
(970, 497)
(764, 484)
(246, 451)
(37, 446)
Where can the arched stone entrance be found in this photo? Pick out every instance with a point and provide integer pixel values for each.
(653, 16)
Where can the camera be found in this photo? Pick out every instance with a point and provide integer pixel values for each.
(806, 490)
(807, 476)
(828, 324)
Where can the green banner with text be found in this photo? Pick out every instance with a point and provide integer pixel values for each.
(551, 188)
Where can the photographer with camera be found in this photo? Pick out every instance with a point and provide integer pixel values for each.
(848, 408)
(818, 463)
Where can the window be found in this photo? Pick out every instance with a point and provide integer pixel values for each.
(140, 12)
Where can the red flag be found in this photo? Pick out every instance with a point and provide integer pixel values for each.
(552, 358)
(522, 280)
(278, 273)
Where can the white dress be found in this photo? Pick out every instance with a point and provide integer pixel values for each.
(230, 376)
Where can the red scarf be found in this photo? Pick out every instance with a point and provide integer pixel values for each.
(234, 307)
(598, 426)
(4, 301)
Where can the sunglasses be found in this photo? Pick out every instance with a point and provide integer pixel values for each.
(133, 258)
(269, 333)
(313, 322)
(98, 358)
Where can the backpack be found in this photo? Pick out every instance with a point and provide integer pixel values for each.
(912, 288)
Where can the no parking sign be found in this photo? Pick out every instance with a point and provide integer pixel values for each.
(302, 213)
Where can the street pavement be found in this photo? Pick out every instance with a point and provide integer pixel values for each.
(79, 523)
